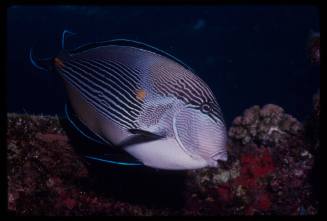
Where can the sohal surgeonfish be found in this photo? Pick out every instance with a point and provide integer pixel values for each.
(145, 101)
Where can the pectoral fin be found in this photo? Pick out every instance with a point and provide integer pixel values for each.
(146, 133)
(117, 162)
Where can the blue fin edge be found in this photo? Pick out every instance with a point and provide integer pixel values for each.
(113, 162)
(63, 35)
(33, 61)
(79, 130)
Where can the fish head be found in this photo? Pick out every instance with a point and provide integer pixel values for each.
(201, 133)
(197, 139)
(156, 146)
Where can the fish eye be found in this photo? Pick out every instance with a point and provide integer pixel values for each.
(205, 108)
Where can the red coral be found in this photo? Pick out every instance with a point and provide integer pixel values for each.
(249, 211)
(225, 193)
(263, 201)
(257, 164)
(70, 203)
(246, 181)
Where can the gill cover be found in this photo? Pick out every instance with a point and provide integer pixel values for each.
(199, 135)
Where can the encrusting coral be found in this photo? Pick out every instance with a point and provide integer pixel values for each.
(46, 176)
(265, 126)
(271, 156)
(267, 172)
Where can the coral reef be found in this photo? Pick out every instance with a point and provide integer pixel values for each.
(312, 129)
(312, 125)
(45, 176)
(267, 172)
(314, 48)
(271, 156)
(266, 126)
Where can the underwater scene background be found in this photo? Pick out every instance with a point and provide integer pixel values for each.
(246, 54)
(262, 63)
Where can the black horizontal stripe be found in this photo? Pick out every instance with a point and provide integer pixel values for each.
(132, 72)
(128, 83)
(103, 103)
(128, 75)
(109, 79)
(107, 86)
(90, 100)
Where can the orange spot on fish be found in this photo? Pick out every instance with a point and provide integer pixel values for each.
(140, 94)
(58, 63)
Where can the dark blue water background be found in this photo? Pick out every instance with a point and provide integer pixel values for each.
(248, 55)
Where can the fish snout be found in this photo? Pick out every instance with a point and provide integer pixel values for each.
(221, 156)
(213, 161)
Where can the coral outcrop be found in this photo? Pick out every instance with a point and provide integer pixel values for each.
(270, 170)
(267, 172)
(46, 176)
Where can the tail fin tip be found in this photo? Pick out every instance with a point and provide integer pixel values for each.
(64, 33)
(33, 61)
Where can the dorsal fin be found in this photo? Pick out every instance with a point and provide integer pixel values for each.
(63, 35)
(131, 43)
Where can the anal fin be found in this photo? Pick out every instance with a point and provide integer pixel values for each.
(145, 133)
(82, 129)
(116, 162)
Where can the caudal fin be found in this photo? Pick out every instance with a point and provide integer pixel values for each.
(43, 64)
(63, 36)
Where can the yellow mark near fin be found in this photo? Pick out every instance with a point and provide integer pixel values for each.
(140, 94)
(58, 63)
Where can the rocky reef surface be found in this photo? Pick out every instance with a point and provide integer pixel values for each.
(268, 172)
(272, 170)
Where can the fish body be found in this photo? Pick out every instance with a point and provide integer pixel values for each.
(144, 101)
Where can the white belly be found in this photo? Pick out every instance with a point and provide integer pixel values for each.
(164, 154)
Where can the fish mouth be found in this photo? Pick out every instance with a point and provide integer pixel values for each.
(221, 156)
(214, 159)
(212, 163)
